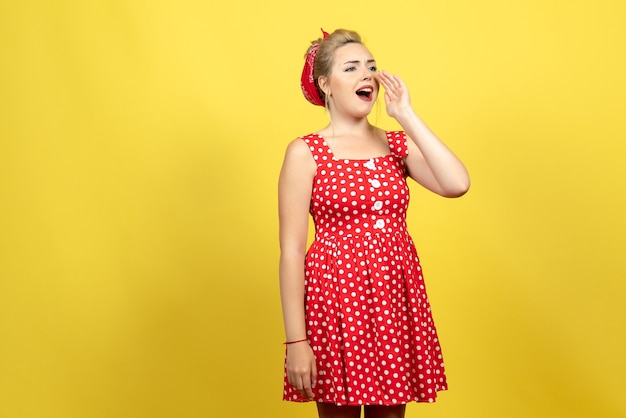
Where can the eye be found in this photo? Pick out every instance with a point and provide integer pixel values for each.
(373, 68)
(350, 69)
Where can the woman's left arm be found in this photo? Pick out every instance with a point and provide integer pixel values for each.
(430, 162)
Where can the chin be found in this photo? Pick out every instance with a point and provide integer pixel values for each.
(364, 111)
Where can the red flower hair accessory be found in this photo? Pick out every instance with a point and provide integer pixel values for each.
(307, 82)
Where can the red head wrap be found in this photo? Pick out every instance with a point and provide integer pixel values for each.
(307, 82)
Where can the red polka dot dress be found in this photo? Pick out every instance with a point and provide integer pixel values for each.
(368, 317)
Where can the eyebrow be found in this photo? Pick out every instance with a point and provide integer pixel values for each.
(357, 61)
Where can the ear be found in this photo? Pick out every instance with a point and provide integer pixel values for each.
(322, 81)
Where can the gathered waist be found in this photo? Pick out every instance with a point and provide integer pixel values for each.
(376, 250)
(368, 236)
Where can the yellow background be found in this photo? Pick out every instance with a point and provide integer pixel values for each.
(140, 143)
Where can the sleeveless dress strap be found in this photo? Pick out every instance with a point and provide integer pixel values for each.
(319, 148)
(321, 151)
(397, 143)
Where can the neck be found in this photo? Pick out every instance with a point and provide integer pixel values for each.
(340, 126)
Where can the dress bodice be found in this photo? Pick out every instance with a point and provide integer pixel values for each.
(353, 197)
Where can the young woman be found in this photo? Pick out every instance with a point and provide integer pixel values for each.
(359, 330)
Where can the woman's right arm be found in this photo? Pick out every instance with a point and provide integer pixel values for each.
(294, 199)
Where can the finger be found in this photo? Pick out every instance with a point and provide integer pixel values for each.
(388, 83)
(398, 81)
(390, 78)
(298, 385)
(313, 374)
(295, 379)
(392, 86)
(389, 89)
(384, 82)
(383, 77)
(308, 390)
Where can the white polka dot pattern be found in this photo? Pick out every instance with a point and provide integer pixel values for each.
(367, 313)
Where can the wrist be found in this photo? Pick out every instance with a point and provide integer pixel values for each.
(405, 114)
(296, 341)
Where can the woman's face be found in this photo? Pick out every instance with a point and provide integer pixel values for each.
(352, 86)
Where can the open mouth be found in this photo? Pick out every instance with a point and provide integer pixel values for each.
(365, 93)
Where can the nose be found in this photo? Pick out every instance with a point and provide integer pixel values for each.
(367, 73)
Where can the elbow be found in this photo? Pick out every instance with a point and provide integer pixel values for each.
(456, 190)
(292, 255)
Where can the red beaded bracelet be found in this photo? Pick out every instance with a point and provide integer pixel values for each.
(296, 341)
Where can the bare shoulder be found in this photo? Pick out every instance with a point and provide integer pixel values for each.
(298, 147)
(298, 154)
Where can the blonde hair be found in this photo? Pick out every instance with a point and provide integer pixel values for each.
(326, 52)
